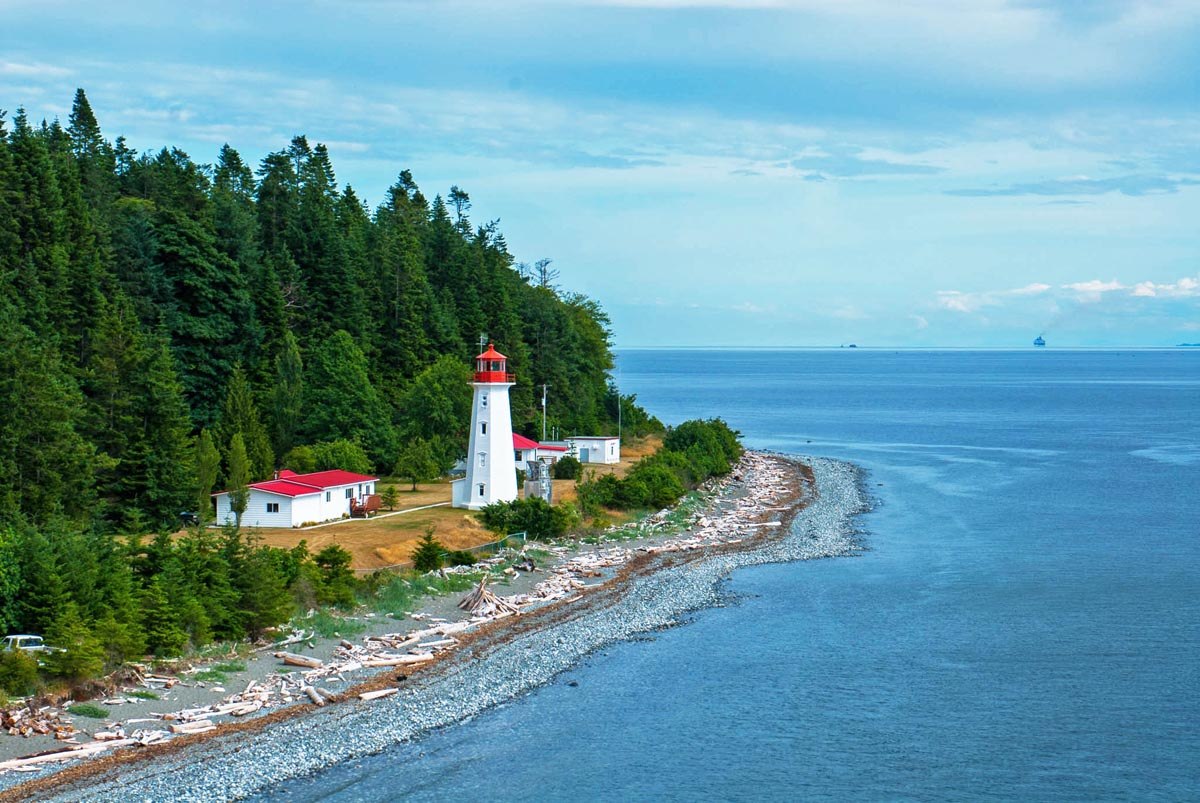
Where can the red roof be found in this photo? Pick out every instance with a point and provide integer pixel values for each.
(328, 479)
(521, 442)
(491, 354)
(284, 488)
(292, 484)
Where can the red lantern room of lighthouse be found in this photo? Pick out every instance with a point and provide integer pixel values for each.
(492, 366)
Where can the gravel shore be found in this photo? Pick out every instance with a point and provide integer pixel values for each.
(237, 766)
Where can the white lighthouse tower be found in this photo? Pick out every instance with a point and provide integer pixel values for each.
(491, 476)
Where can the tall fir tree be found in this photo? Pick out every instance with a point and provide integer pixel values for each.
(240, 415)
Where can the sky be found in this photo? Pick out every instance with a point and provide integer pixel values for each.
(770, 173)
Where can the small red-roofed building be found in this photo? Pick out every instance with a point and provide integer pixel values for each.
(294, 500)
(526, 449)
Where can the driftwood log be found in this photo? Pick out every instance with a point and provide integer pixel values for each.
(291, 659)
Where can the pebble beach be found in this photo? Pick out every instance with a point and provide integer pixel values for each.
(670, 580)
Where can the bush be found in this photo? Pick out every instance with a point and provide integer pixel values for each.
(460, 557)
(534, 516)
(18, 672)
(427, 557)
(567, 468)
(343, 454)
(337, 579)
(300, 459)
(691, 453)
(88, 710)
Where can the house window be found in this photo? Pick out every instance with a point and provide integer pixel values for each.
(369, 487)
(349, 493)
(481, 489)
(482, 427)
(328, 495)
(483, 459)
(517, 455)
(272, 507)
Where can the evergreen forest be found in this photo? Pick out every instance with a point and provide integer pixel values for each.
(169, 328)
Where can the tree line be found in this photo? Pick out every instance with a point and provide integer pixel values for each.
(149, 301)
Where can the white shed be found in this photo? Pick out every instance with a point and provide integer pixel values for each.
(596, 448)
(293, 500)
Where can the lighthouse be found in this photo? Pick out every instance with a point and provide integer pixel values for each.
(490, 475)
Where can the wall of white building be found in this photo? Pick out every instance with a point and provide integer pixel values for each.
(596, 450)
(256, 514)
(314, 508)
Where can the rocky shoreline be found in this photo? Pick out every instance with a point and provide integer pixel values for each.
(652, 591)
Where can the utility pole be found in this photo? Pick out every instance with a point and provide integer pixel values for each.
(544, 388)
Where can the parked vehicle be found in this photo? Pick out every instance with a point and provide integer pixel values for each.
(27, 643)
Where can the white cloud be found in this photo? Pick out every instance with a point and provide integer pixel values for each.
(919, 321)
(1184, 288)
(1094, 286)
(1091, 291)
(958, 301)
(32, 69)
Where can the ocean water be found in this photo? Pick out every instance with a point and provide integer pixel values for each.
(1025, 626)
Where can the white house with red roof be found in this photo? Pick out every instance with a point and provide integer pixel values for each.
(293, 500)
(525, 449)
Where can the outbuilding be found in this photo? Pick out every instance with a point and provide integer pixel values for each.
(595, 448)
(294, 500)
(526, 449)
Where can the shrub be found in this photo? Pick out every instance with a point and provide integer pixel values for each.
(567, 468)
(534, 516)
(79, 654)
(427, 557)
(337, 583)
(300, 459)
(88, 710)
(18, 672)
(460, 557)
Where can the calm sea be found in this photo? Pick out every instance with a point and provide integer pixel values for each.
(1025, 626)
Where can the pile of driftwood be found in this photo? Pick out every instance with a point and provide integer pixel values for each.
(28, 721)
(482, 602)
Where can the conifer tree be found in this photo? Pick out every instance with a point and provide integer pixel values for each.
(208, 468)
(288, 394)
(341, 403)
(238, 477)
(240, 415)
(78, 652)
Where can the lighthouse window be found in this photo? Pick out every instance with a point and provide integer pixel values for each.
(481, 489)
(482, 459)
(483, 400)
(482, 427)
(497, 365)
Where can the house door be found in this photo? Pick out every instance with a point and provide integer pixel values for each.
(583, 454)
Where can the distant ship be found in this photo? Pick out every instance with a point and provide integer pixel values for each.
(1041, 341)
